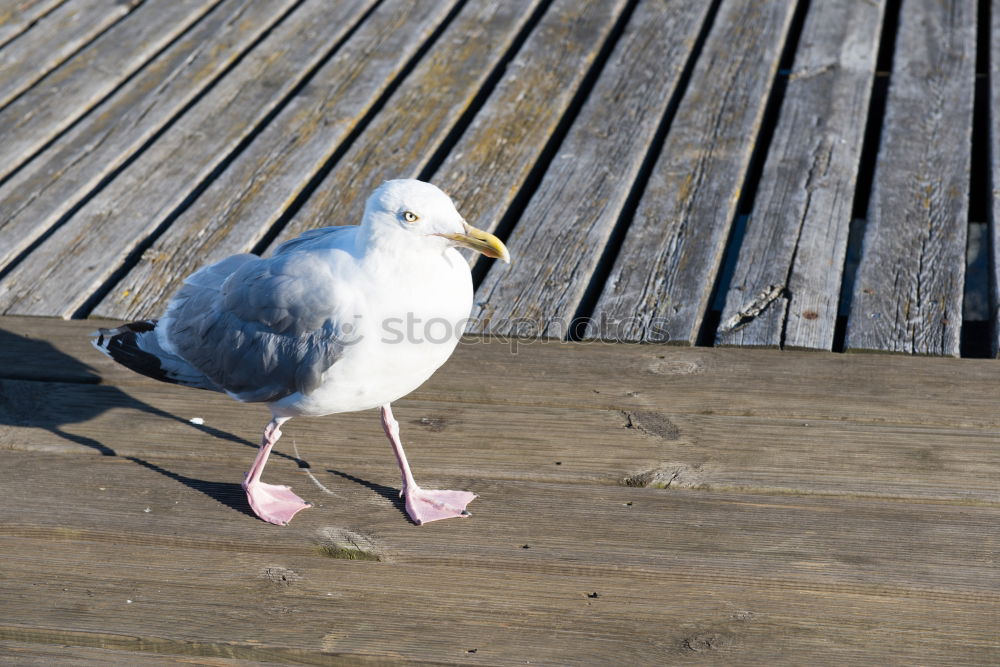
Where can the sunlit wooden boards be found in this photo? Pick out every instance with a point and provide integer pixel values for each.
(56, 36)
(52, 104)
(785, 288)
(80, 255)
(659, 286)
(61, 178)
(569, 219)
(17, 16)
(908, 292)
(783, 513)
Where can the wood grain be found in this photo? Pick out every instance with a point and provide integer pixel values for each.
(418, 117)
(50, 186)
(786, 285)
(659, 287)
(654, 446)
(742, 576)
(84, 252)
(18, 16)
(68, 93)
(570, 218)
(56, 37)
(908, 291)
(494, 158)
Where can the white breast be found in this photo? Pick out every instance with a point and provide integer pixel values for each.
(407, 326)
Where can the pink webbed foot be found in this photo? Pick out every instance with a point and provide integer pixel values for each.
(425, 505)
(273, 503)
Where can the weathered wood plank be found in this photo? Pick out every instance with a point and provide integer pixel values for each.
(743, 581)
(241, 204)
(659, 287)
(25, 654)
(908, 291)
(510, 130)
(721, 381)
(17, 16)
(57, 36)
(495, 156)
(51, 185)
(418, 117)
(650, 447)
(52, 104)
(81, 254)
(786, 285)
(571, 216)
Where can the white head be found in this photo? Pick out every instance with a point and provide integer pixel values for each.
(428, 216)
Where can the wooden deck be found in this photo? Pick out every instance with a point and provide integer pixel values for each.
(638, 505)
(721, 176)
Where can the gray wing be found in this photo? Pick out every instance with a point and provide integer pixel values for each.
(313, 236)
(261, 329)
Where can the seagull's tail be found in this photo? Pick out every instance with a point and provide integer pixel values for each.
(135, 346)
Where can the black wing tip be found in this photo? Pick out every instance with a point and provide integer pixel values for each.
(120, 344)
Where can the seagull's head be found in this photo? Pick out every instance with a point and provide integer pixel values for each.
(423, 210)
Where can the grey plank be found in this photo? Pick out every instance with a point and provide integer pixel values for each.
(562, 232)
(57, 36)
(908, 292)
(48, 187)
(81, 254)
(18, 16)
(418, 117)
(53, 103)
(661, 281)
(245, 200)
(786, 283)
(495, 155)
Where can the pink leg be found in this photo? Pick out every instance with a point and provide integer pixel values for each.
(423, 505)
(274, 504)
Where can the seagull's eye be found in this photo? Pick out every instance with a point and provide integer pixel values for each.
(410, 216)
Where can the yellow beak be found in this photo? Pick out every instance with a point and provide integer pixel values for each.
(480, 241)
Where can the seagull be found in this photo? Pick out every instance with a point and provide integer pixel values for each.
(338, 319)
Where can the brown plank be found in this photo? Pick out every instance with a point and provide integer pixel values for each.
(659, 287)
(721, 381)
(908, 291)
(509, 130)
(25, 654)
(657, 447)
(57, 36)
(80, 255)
(786, 284)
(899, 581)
(58, 179)
(247, 199)
(418, 117)
(52, 104)
(18, 16)
(564, 228)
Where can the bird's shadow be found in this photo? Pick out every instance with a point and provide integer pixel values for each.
(389, 493)
(227, 493)
(53, 390)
